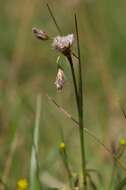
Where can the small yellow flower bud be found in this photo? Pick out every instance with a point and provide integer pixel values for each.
(122, 141)
(62, 145)
(22, 184)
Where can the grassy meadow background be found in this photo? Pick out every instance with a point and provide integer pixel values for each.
(28, 68)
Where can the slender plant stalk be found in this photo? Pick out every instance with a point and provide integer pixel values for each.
(80, 115)
(63, 110)
(54, 20)
(69, 57)
(80, 97)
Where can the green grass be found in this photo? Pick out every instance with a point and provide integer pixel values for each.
(28, 68)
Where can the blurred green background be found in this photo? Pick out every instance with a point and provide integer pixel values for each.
(28, 68)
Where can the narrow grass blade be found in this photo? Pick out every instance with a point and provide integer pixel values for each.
(54, 19)
(34, 169)
(80, 100)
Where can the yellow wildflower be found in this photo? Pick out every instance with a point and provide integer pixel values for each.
(122, 141)
(22, 184)
(62, 145)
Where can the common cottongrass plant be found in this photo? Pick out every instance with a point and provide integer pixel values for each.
(63, 44)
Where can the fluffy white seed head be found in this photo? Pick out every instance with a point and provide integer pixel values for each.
(63, 43)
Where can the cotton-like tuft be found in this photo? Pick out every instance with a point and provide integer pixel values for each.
(63, 43)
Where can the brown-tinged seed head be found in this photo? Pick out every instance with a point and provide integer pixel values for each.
(40, 34)
(59, 79)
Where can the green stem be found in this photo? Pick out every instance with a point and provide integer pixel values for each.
(69, 57)
(80, 115)
(83, 152)
(80, 94)
(66, 164)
